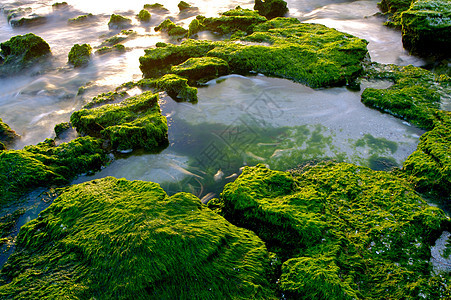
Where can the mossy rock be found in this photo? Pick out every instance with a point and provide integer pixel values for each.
(7, 135)
(430, 164)
(82, 19)
(415, 95)
(113, 238)
(105, 98)
(144, 15)
(118, 48)
(171, 28)
(177, 87)
(393, 9)
(60, 5)
(80, 55)
(61, 128)
(426, 28)
(308, 53)
(136, 122)
(202, 68)
(156, 7)
(46, 164)
(344, 231)
(22, 51)
(119, 22)
(27, 21)
(231, 21)
(271, 8)
(184, 6)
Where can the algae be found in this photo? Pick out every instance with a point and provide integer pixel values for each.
(79, 55)
(136, 122)
(22, 51)
(342, 231)
(144, 15)
(82, 19)
(184, 6)
(7, 135)
(171, 28)
(157, 7)
(119, 22)
(61, 128)
(113, 238)
(203, 68)
(47, 164)
(308, 53)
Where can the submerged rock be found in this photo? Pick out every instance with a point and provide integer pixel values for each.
(113, 238)
(426, 28)
(22, 51)
(344, 232)
(307, 53)
(79, 55)
(7, 135)
(271, 8)
(136, 122)
(46, 164)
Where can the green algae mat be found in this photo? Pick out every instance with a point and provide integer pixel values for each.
(119, 239)
(342, 231)
(283, 47)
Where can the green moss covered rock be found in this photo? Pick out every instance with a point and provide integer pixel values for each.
(171, 28)
(309, 53)
(231, 21)
(144, 15)
(184, 6)
(426, 27)
(136, 122)
(61, 128)
(430, 164)
(415, 95)
(271, 8)
(202, 68)
(156, 7)
(46, 164)
(27, 20)
(7, 135)
(119, 22)
(82, 19)
(80, 55)
(393, 9)
(22, 51)
(343, 231)
(113, 238)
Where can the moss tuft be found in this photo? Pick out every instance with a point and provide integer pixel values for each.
(80, 55)
(113, 238)
(136, 122)
(119, 22)
(144, 15)
(170, 28)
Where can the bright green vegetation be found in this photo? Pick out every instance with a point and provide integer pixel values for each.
(119, 22)
(184, 6)
(119, 48)
(105, 98)
(7, 224)
(136, 122)
(177, 87)
(394, 9)
(118, 38)
(27, 20)
(415, 95)
(430, 164)
(271, 8)
(155, 7)
(171, 28)
(426, 27)
(309, 53)
(80, 19)
(231, 21)
(80, 55)
(59, 5)
(22, 51)
(144, 15)
(342, 231)
(46, 164)
(202, 68)
(113, 238)
(7, 135)
(61, 128)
